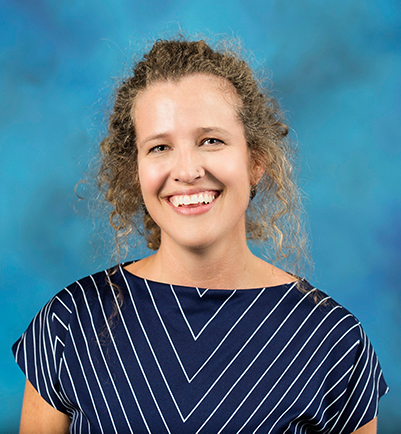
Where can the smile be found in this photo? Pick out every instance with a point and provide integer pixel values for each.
(193, 199)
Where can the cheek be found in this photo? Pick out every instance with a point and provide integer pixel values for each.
(149, 179)
(237, 170)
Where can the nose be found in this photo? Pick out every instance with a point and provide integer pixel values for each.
(187, 166)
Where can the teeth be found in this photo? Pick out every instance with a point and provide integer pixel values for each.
(193, 199)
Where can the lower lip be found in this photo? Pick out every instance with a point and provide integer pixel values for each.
(193, 209)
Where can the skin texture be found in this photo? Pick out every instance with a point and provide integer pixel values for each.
(199, 146)
(189, 140)
(369, 428)
(39, 417)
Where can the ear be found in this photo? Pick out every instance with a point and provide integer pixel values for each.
(258, 167)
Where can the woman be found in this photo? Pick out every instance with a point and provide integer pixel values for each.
(202, 336)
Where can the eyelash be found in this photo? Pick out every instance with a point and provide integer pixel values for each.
(217, 141)
(162, 148)
(157, 149)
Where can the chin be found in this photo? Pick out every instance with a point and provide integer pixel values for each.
(190, 242)
(196, 245)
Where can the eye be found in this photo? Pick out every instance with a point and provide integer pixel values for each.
(211, 141)
(158, 149)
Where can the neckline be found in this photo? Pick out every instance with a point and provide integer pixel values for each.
(124, 272)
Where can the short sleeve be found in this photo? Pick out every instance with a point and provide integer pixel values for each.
(366, 385)
(39, 351)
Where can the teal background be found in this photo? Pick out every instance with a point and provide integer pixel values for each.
(336, 66)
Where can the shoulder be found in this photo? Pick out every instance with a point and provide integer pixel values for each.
(307, 300)
(322, 319)
(90, 297)
(78, 294)
(72, 306)
(62, 328)
(75, 308)
(334, 355)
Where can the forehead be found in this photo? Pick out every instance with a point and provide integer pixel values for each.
(193, 89)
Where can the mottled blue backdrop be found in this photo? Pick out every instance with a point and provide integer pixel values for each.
(337, 68)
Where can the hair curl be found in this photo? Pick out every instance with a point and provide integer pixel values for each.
(274, 215)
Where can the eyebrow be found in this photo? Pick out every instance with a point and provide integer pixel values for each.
(205, 130)
(199, 131)
(155, 137)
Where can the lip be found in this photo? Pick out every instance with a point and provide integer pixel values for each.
(193, 209)
(192, 191)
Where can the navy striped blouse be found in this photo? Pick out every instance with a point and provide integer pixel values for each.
(163, 358)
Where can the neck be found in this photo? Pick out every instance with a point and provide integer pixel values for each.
(228, 265)
(225, 265)
(220, 268)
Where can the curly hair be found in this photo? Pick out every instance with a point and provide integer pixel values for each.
(274, 215)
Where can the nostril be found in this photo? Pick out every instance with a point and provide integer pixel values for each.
(188, 175)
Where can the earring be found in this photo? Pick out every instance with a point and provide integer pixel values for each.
(253, 192)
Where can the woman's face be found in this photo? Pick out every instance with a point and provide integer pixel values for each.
(193, 160)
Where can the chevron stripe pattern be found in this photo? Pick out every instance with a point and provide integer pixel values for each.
(173, 359)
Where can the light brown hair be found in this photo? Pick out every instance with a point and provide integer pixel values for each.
(275, 215)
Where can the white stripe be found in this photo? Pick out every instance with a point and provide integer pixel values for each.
(52, 346)
(317, 423)
(55, 343)
(92, 365)
(47, 326)
(59, 320)
(208, 322)
(310, 378)
(203, 293)
(311, 419)
(260, 351)
(156, 360)
(62, 302)
(356, 384)
(190, 379)
(232, 361)
(278, 356)
(25, 359)
(362, 352)
(80, 412)
(369, 360)
(378, 391)
(35, 358)
(86, 380)
(333, 417)
(43, 349)
(42, 325)
(133, 346)
(324, 359)
(23, 338)
(71, 408)
(373, 379)
(117, 352)
(102, 354)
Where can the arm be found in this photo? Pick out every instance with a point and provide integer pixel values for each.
(39, 417)
(369, 428)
